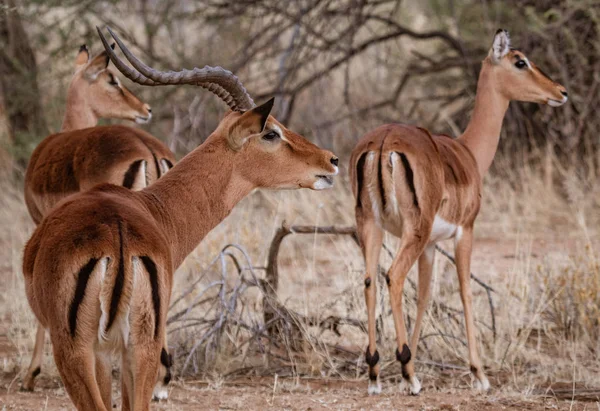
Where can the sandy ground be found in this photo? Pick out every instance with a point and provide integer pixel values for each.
(259, 394)
(493, 260)
(292, 394)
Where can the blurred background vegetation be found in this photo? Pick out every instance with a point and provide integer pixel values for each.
(337, 67)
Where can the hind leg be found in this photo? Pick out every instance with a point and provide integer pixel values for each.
(371, 239)
(36, 359)
(104, 377)
(164, 374)
(76, 365)
(410, 250)
(126, 382)
(140, 369)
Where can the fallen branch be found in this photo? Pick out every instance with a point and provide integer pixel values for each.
(272, 270)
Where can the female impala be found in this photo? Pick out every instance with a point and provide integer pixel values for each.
(98, 269)
(82, 156)
(426, 188)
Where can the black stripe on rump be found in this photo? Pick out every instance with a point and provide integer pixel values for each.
(410, 178)
(158, 174)
(380, 176)
(133, 170)
(82, 280)
(153, 274)
(119, 283)
(169, 164)
(360, 176)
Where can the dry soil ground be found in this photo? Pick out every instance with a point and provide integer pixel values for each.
(305, 394)
(259, 394)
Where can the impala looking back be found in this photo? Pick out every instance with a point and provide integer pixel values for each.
(81, 155)
(99, 269)
(426, 188)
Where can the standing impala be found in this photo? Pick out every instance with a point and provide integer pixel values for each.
(98, 269)
(426, 188)
(81, 156)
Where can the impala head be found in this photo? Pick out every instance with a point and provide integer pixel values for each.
(286, 159)
(520, 79)
(97, 88)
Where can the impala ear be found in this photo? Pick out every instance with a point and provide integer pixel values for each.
(98, 64)
(83, 56)
(500, 46)
(250, 123)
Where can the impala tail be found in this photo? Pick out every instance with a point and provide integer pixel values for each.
(386, 178)
(115, 295)
(115, 277)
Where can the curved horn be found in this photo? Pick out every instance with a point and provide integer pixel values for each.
(219, 81)
(124, 68)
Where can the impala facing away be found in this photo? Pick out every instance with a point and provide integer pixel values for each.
(426, 188)
(99, 268)
(81, 156)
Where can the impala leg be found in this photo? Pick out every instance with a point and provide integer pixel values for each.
(144, 369)
(76, 365)
(463, 247)
(104, 378)
(126, 381)
(371, 239)
(164, 374)
(424, 289)
(36, 359)
(410, 249)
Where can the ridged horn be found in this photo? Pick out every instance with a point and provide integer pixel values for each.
(223, 83)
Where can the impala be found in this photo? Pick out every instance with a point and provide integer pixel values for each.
(426, 188)
(99, 268)
(81, 156)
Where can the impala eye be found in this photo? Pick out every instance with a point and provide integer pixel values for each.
(271, 135)
(521, 64)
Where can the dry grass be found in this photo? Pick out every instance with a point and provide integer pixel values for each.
(536, 248)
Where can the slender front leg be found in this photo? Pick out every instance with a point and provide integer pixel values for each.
(371, 239)
(36, 359)
(424, 287)
(463, 247)
(410, 249)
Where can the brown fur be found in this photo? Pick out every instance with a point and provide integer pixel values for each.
(82, 156)
(425, 178)
(96, 92)
(65, 163)
(163, 222)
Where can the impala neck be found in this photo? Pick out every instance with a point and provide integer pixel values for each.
(483, 132)
(78, 115)
(196, 195)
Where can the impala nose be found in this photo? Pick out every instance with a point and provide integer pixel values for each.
(334, 161)
(564, 93)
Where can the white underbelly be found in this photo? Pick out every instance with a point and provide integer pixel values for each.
(390, 217)
(443, 230)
